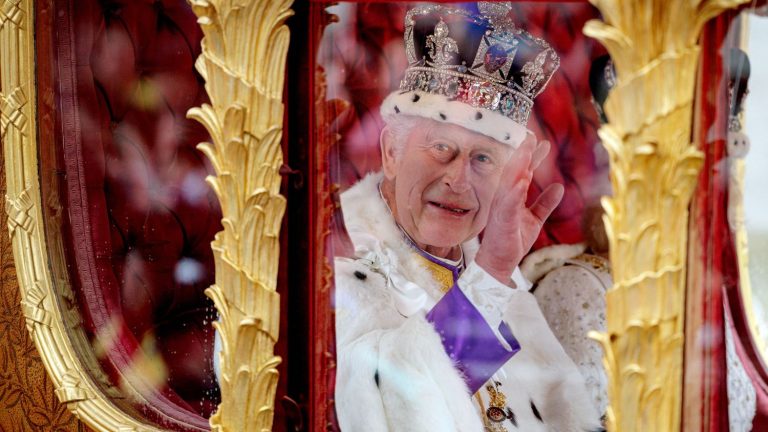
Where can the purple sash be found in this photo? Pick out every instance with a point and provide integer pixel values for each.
(469, 340)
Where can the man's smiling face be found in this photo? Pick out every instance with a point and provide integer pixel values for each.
(444, 178)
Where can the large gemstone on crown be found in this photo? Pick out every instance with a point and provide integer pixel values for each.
(483, 94)
(495, 58)
(507, 105)
(421, 81)
(434, 84)
(453, 88)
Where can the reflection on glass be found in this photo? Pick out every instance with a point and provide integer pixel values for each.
(755, 174)
(459, 135)
(139, 215)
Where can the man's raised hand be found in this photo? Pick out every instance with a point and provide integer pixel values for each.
(512, 227)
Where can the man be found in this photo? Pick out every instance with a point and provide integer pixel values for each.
(436, 330)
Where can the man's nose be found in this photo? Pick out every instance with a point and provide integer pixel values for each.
(457, 175)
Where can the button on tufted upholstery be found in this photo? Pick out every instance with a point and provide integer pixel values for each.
(141, 215)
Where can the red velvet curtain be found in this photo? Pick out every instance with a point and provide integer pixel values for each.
(717, 290)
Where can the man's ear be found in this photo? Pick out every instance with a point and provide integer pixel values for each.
(389, 159)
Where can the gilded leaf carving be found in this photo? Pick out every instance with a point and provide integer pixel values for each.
(653, 172)
(34, 309)
(70, 389)
(243, 62)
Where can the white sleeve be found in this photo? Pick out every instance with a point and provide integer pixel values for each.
(489, 296)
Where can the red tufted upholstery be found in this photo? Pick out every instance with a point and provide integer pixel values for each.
(141, 216)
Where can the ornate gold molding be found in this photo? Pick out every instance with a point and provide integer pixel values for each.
(243, 63)
(654, 169)
(77, 384)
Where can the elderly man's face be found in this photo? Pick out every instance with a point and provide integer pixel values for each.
(445, 178)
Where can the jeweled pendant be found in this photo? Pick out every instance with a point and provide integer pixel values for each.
(496, 414)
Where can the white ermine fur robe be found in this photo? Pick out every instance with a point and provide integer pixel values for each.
(393, 373)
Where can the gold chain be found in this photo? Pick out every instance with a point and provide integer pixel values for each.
(497, 412)
(498, 399)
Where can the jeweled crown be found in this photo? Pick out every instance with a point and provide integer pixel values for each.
(482, 59)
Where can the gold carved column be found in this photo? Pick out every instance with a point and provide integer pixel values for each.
(654, 167)
(243, 63)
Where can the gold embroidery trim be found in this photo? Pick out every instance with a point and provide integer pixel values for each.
(442, 275)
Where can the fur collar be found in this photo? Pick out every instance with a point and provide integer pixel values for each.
(540, 372)
(366, 214)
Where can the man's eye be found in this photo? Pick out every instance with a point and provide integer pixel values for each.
(483, 158)
(442, 151)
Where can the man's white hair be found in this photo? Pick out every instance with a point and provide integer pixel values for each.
(399, 126)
